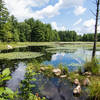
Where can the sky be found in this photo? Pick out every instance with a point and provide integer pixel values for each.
(61, 14)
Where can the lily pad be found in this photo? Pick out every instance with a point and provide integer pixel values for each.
(20, 55)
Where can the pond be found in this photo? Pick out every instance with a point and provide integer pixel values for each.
(54, 88)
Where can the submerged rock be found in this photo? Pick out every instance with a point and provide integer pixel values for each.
(42, 69)
(57, 71)
(77, 90)
(86, 82)
(63, 76)
(87, 73)
(76, 82)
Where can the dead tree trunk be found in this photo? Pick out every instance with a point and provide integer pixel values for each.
(96, 27)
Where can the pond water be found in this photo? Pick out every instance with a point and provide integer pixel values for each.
(54, 88)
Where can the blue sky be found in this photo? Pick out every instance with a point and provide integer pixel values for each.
(61, 14)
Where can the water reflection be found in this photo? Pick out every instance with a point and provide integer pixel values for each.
(26, 49)
(17, 76)
(54, 88)
(72, 60)
(57, 89)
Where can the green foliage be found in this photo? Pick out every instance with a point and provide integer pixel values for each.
(20, 55)
(27, 86)
(5, 93)
(33, 30)
(88, 37)
(48, 70)
(94, 90)
(68, 35)
(74, 75)
(93, 66)
(63, 68)
(4, 76)
(25, 89)
(7, 35)
(79, 70)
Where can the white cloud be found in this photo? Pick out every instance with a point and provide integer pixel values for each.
(55, 26)
(78, 22)
(88, 26)
(57, 56)
(22, 9)
(79, 10)
(49, 11)
(89, 23)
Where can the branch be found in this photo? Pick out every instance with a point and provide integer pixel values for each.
(94, 2)
(92, 12)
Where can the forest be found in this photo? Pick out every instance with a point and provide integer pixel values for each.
(31, 30)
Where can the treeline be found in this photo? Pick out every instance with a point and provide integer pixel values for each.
(90, 37)
(28, 30)
(33, 30)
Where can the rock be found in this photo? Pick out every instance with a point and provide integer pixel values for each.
(9, 46)
(87, 73)
(76, 82)
(42, 68)
(63, 76)
(86, 82)
(37, 94)
(57, 71)
(77, 90)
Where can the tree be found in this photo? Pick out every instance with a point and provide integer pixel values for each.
(7, 35)
(3, 17)
(96, 26)
(24, 31)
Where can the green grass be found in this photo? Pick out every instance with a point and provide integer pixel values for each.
(92, 66)
(23, 44)
(20, 55)
(94, 90)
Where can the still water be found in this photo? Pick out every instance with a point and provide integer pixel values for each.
(52, 88)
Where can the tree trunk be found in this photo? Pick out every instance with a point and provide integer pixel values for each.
(96, 27)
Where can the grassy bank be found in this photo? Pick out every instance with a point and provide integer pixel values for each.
(3, 45)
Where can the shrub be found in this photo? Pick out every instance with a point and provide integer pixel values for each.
(63, 68)
(92, 66)
(5, 93)
(27, 86)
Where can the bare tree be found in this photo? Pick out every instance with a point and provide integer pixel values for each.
(96, 27)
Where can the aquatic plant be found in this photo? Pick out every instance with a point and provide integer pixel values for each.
(92, 66)
(25, 92)
(73, 75)
(94, 90)
(20, 55)
(26, 86)
(63, 68)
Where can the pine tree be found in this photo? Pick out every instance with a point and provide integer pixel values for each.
(3, 17)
